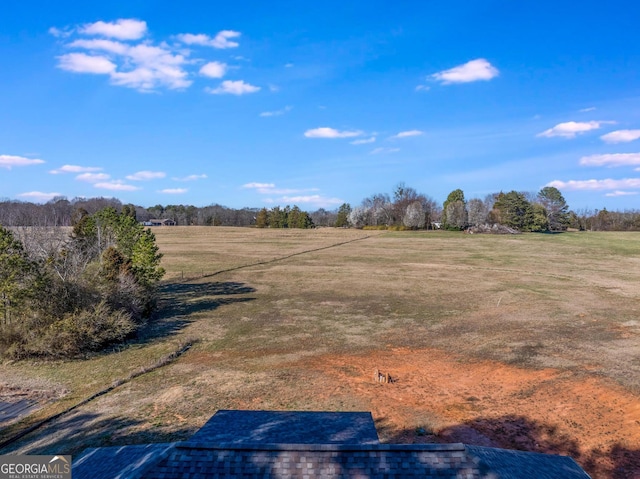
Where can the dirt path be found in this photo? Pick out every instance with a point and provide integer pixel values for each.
(439, 398)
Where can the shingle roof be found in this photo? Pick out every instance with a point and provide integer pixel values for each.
(215, 451)
(121, 462)
(288, 427)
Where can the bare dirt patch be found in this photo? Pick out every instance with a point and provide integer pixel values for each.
(438, 397)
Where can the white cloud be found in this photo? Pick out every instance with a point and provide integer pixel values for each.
(190, 178)
(621, 136)
(122, 29)
(143, 66)
(423, 88)
(116, 186)
(277, 112)
(585, 110)
(611, 159)
(83, 63)
(407, 134)
(259, 185)
(96, 44)
(238, 87)
(221, 40)
(9, 161)
(594, 185)
(154, 66)
(75, 169)
(364, 141)
(474, 70)
(93, 177)
(621, 193)
(214, 69)
(174, 191)
(146, 175)
(325, 132)
(570, 129)
(377, 151)
(39, 196)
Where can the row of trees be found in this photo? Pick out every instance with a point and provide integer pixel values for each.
(66, 294)
(283, 218)
(545, 211)
(59, 212)
(405, 208)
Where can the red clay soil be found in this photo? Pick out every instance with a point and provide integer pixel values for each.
(435, 397)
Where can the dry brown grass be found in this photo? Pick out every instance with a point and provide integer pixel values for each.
(272, 324)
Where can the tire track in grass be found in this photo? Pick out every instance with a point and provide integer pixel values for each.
(275, 260)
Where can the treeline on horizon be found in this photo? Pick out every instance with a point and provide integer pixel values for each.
(405, 208)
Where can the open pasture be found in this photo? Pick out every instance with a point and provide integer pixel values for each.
(528, 342)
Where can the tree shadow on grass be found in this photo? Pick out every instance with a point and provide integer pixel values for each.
(521, 433)
(77, 431)
(178, 301)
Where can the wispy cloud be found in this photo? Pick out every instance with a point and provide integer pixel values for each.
(621, 136)
(364, 141)
(122, 29)
(214, 69)
(39, 195)
(611, 159)
(423, 88)
(259, 185)
(75, 169)
(60, 32)
(146, 175)
(377, 151)
(622, 193)
(407, 134)
(474, 70)
(229, 87)
(570, 129)
(585, 110)
(326, 132)
(116, 186)
(9, 161)
(190, 178)
(595, 185)
(276, 112)
(93, 177)
(221, 40)
(173, 191)
(270, 189)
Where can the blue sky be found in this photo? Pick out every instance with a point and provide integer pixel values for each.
(256, 103)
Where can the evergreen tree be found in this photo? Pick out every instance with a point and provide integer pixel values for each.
(512, 209)
(342, 219)
(262, 218)
(19, 276)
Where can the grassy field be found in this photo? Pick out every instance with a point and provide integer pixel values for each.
(480, 333)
